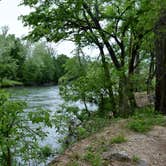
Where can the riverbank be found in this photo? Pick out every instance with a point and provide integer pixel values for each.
(6, 83)
(126, 142)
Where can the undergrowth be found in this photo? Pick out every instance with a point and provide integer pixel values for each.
(10, 83)
(93, 158)
(144, 119)
(118, 139)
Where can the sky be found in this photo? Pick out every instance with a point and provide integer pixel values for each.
(9, 13)
(10, 10)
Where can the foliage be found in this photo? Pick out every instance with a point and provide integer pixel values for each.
(122, 27)
(144, 119)
(30, 63)
(59, 63)
(46, 151)
(84, 81)
(10, 83)
(118, 139)
(72, 163)
(135, 158)
(96, 123)
(40, 67)
(12, 56)
(75, 124)
(18, 136)
(93, 159)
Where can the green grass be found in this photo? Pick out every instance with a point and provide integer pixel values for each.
(72, 163)
(118, 139)
(135, 158)
(93, 125)
(93, 158)
(144, 119)
(10, 83)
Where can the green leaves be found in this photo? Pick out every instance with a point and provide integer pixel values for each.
(30, 2)
(40, 116)
(12, 56)
(20, 131)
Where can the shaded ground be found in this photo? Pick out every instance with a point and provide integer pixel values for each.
(140, 149)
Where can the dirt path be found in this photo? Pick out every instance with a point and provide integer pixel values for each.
(149, 149)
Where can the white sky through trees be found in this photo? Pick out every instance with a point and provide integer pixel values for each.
(9, 13)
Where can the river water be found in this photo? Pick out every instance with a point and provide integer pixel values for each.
(45, 97)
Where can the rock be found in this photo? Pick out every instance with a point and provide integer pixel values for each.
(55, 160)
(119, 156)
(106, 155)
(142, 163)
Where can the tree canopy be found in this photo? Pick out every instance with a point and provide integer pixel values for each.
(122, 31)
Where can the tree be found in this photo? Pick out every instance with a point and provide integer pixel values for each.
(39, 67)
(12, 56)
(18, 136)
(59, 62)
(18, 53)
(160, 51)
(84, 81)
(120, 27)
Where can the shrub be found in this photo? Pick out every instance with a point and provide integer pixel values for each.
(72, 163)
(144, 119)
(118, 139)
(46, 151)
(18, 137)
(93, 159)
(135, 158)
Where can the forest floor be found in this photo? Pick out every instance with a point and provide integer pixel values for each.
(116, 145)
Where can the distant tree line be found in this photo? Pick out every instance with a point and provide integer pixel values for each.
(29, 63)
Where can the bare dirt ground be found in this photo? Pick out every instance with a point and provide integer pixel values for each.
(149, 148)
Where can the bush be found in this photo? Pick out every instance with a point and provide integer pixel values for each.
(118, 139)
(72, 163)
(46, 151)
(96, 123)
(93, 159)
(18, 138)
(9, 83)
(135, 158)
(144, 119)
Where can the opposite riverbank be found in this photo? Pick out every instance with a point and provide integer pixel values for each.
(6, 83)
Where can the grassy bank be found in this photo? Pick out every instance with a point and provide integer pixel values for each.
(10, 83)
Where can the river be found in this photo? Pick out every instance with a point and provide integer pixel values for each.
(45, 97)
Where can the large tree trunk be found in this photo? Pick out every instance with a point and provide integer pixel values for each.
(108, 82)
(8, 157)
(127, 101)
(160, 52)
(124, 108)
